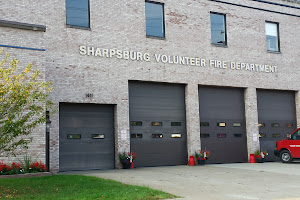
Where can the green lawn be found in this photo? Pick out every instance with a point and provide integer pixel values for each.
(73, 187)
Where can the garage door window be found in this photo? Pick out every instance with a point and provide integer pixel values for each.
(289, 125)
(175, 123)
(74, 136)
(276, 135)
(204, 123)
(176, 135)
(97, 136)
(237, 135)
(261, 125)
(157, 136)
(237, 124)
(136, 135)
(156, 123)
(221, 124)
(204, 135)
(222, 135)
(275, 125)
(262, 135)
(136, 123)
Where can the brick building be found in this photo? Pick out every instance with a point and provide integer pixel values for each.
(163, 79)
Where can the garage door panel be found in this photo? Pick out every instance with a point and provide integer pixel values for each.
(222, 126)
(86, 137)
(78, 162)
(163, 103)
(158, 153)
(277, 116)
(226, 152)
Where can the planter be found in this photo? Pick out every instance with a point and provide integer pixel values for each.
(126, 165)
(201, 162)
(259, 159)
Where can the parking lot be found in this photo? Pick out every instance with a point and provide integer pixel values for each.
(253, 181)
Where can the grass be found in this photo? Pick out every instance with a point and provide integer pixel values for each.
(74, 187)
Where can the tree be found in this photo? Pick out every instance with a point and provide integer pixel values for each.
(23, 104)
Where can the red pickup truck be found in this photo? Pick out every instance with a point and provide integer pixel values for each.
(289, 148)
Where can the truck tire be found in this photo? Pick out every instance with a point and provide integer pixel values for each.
(285, 156)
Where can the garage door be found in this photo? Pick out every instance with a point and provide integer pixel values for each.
(86, 136)
(157, 123)
(222, 124)
(277, 118)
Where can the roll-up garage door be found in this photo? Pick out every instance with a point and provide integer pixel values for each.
(86, 136)
(276, 117)
(157, 123)
(222, 124)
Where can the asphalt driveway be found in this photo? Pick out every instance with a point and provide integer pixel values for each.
(249, 181)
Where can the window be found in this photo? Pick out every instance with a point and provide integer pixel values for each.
(155, 25)
(156, 123)
(237, 124)
(276, 135)
(98, 136)
(204, 135)
(222, 135)
(218, 29)
(157, 136)
(78, 13)
(276, 125)
(289, 125)
(136, 123)
(74, 136)
(262, 135)
(221, 124)
(136, 135)
(261, 125)
(272, 36)
(296, 135)
(176, 135)
(204, 123)
(175, 123)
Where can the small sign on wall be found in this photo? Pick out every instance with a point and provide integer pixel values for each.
(255, 137)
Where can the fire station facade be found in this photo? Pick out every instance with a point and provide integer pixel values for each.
(160, 78)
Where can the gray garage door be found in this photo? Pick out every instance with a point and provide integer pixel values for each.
(86, 136)
(222, 126)
(277, 118)
(157, 123)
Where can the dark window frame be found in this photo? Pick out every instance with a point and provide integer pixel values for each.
(163, 18)
(77, 26)
(278, 37)
(225, 27)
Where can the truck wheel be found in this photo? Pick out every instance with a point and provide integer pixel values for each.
(285, 156)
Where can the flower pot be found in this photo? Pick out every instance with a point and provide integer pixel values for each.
(126, 165)
(259, 159)
(201, 162)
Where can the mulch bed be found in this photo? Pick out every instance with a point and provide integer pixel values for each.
(27, 175)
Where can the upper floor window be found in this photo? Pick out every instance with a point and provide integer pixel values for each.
(78, 13)
(155, 22)
(272, 36)
(218, 29)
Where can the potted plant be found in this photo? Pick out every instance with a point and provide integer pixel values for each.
(197, 157)
(127, 159)
(203, 156)
(260, 155)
